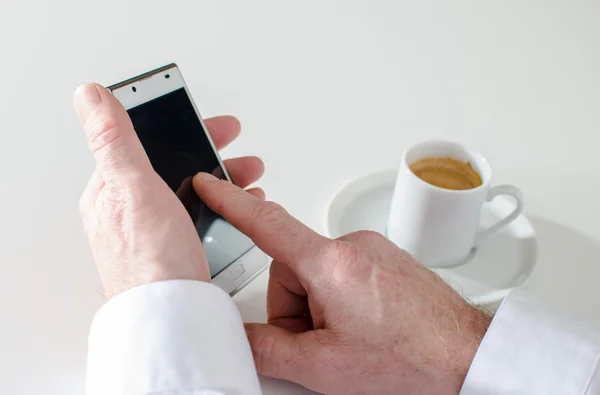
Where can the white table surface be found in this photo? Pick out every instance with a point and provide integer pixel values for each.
(327, 91)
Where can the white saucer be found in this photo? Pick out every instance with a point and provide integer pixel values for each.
(501, 262)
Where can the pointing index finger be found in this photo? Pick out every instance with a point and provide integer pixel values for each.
(273, 230)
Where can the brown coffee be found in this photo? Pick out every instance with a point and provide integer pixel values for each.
(446, 172)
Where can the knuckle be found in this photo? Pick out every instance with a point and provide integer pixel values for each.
(342, 259)
(268, 212)
(332, 252)
(335, 256)
(102, 133)
(364, 237)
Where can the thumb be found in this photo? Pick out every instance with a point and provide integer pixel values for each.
(280, 354)
(110, 134)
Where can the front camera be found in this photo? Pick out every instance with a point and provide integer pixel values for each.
(133, 88)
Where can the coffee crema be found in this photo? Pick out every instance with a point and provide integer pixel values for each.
(447, 173)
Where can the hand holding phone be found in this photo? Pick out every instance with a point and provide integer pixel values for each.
(138, 229)
(179, 145)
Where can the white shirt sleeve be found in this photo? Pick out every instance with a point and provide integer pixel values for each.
(531, 349)
(170, 338)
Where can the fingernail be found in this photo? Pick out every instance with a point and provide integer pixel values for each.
(205, 176)
(87, 99)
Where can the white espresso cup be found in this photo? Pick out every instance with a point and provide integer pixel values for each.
(439, 226)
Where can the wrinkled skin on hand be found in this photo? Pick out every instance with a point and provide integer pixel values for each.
(356, 315)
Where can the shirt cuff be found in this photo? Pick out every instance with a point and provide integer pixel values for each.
(171, 337)
(531, 349)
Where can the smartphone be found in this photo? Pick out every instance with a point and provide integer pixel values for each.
(179, 146)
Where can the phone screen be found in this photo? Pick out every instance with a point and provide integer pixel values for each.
(178, 148)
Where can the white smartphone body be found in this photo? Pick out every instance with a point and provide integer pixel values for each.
(179, 146)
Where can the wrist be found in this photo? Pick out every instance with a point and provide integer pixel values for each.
(449, 345)
(117, 283)
(474, 327)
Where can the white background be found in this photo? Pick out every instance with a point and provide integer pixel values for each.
(327, 91)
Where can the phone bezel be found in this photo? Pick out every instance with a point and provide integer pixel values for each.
(152, 85)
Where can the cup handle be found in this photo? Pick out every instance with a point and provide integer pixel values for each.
(503, 190)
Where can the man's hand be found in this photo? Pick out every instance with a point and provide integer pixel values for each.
(138, 229)
(350, 316)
